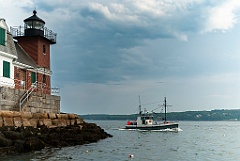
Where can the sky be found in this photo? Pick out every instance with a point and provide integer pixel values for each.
(110, 52)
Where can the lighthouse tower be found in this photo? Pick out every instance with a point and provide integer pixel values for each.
(36, 39)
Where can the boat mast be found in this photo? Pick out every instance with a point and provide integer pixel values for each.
(140, 110)
(165, 106)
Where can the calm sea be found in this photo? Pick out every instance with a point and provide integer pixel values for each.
(198, 141)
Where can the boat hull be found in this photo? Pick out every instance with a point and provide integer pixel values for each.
(153, 127)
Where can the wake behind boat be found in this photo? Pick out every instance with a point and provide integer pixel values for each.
(145, 121)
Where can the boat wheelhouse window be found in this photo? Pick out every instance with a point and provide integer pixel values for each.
(147, 118)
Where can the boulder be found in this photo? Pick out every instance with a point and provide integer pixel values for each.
(35, 116)
(72, 122)
(68, 122)
(33, 143)
(33, 122)
(43, 115)
(79, 121)
(40, 122)
(8, 114)
(55, 122)
(5, 142)
(17, 121)
(52, 115)
(1, 121)
(26, 115)
(47, 122)
(26, 122)
(59, 116)
(16, 114)
(64, 116)
(71, 116)
(13, 135)
(62, 122)
(8, 121)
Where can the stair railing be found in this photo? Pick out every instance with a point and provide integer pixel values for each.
(26, 95)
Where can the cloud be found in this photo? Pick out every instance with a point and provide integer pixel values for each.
(125, 24)
(223, 16)
(9, 9)
(104, 35)
(102, 41)
(109, 52)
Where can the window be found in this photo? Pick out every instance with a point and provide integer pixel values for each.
(6, 69)
(33, 77)
(44, 49)
(2, 36)
(44, 78)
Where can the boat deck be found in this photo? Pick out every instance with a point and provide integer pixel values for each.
(153, 127)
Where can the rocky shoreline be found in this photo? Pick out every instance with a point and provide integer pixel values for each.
(15, 140)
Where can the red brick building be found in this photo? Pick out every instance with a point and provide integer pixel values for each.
(32, 67)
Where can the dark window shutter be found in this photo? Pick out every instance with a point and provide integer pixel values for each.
(2, 36)
(33, 75)
(6, 69)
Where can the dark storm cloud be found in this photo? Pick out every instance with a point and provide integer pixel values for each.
(96, 37)
(109, 52)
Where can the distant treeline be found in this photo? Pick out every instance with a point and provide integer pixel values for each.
(213, 115)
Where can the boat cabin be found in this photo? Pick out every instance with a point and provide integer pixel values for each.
(145, 119)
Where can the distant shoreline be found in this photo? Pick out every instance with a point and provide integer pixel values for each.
(213, 115)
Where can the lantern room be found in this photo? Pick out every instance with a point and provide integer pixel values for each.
(34, 26)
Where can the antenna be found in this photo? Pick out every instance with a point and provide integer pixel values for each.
(140, 110)
(165, 105)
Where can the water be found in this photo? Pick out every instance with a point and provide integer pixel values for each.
(197, 141)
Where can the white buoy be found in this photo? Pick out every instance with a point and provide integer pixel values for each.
(130, 156)
(86, 151)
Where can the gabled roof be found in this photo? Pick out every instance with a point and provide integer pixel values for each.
(23, 57)
(11, 45)
(9, 48)
(3, 23)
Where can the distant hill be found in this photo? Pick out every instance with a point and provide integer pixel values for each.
(213, 115)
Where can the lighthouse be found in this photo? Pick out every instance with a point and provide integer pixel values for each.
(35, 39)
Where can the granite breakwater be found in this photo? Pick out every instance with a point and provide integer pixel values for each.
(60, 130)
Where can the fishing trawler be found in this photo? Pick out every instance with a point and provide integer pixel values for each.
(145, 121)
